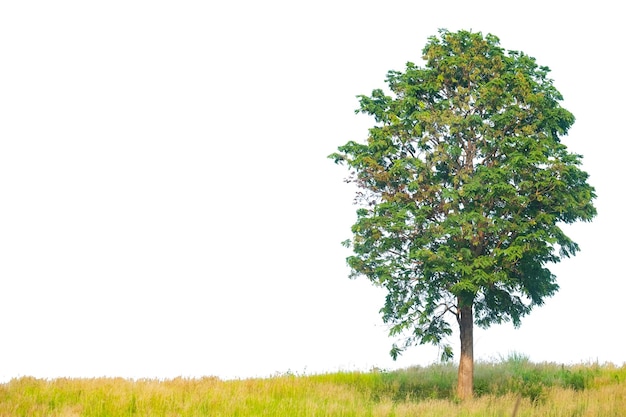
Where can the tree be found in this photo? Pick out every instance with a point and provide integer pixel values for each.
(463, 185)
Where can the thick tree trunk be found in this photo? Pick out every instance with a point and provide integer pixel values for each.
(465, 385)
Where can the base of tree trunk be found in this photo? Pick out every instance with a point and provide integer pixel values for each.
(465, 385)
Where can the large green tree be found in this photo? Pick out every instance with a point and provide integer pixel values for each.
(463, 186)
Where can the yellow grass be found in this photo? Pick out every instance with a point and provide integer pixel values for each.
(343, 394)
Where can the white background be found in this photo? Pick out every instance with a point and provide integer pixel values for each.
(166, 204)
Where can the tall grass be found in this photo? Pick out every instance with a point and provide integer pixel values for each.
(544, 389)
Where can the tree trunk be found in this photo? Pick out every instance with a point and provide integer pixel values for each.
(465, 384)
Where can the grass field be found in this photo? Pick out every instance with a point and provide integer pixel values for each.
(546, 390)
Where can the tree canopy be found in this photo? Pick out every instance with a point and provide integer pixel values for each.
(463, 187)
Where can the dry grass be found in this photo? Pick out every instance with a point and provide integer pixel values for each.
(602, 393)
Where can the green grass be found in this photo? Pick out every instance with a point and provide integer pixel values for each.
(545, 390)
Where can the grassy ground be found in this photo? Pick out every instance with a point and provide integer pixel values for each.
(541, 389)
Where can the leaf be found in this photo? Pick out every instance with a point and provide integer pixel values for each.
(447, 353)
(395, 352)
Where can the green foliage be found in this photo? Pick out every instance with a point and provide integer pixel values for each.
(516, 374)
(512, 375)
(464, 184)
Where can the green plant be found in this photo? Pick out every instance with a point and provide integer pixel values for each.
(464, 185)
